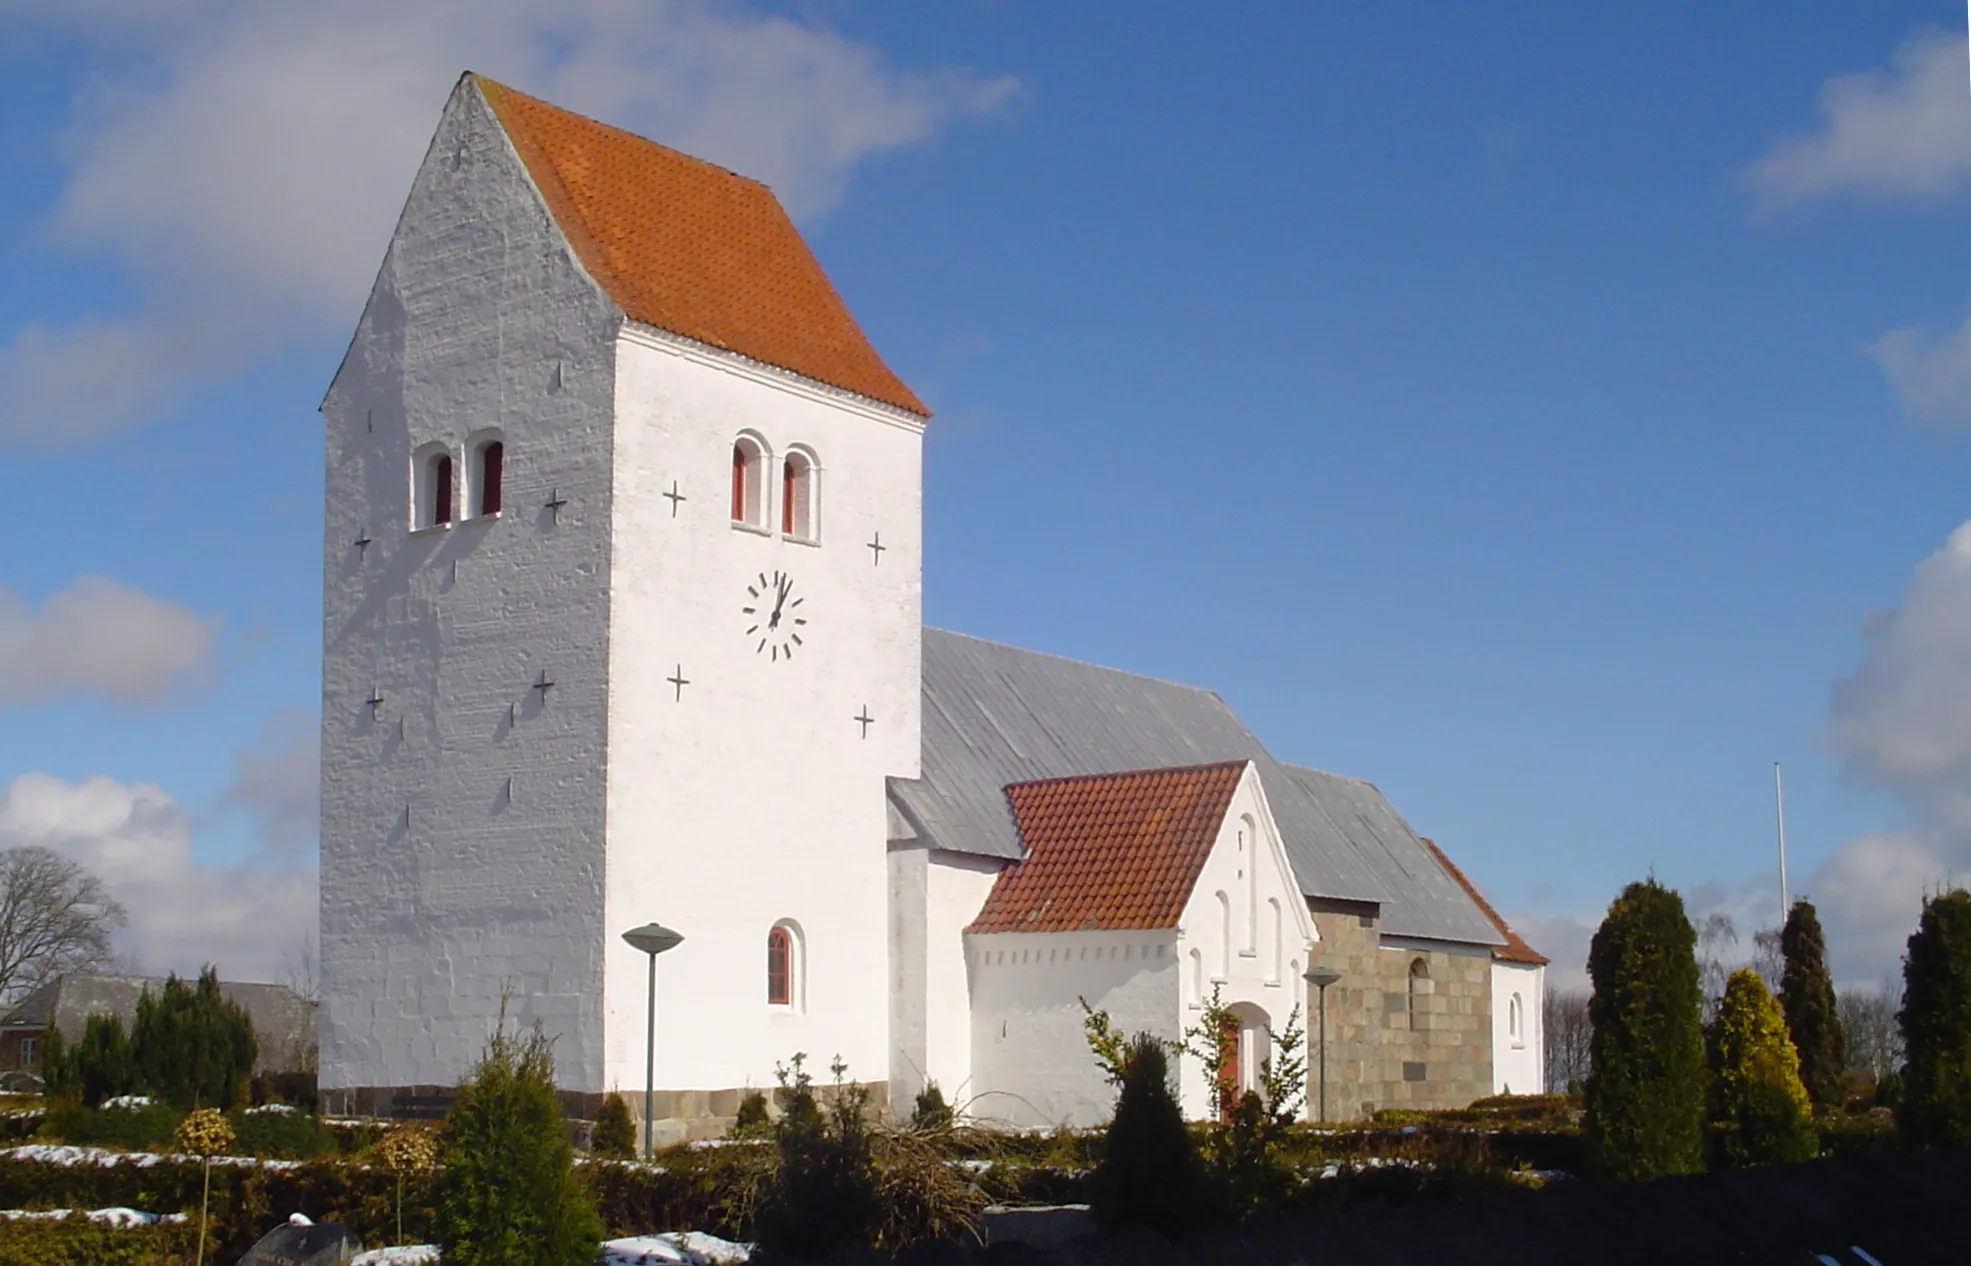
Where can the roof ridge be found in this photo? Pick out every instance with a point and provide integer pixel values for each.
(487, 81)
(1199, 767)
(1515, 949)
(1078, 663)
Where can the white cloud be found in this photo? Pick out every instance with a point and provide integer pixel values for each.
(1931, 373)
(102, 637)
(1902, 722)
(278, 783)
(1904, 132)
(245, 161)
(1563, 938)
(183, 913)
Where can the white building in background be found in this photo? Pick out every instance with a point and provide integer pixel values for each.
(622, 623)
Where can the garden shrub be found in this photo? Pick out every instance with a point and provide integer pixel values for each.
(191, 1046)
(1935, 1105)
(507, 1194)
(98, 1067)
(1646, 1080)
(821, 1194)
(1806, 995)
(753, 1121)
(1759, 1110)
(931, 1112)
(1150, 1174)
(614, 1135)
(72, 1240)
(295, 1135)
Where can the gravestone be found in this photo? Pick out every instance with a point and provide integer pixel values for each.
(303, 1244)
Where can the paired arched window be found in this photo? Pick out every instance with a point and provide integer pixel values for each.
(748, 497)
(486, 470)
(433, 487)
(797, 495)
(784, 966)
(1419, 989)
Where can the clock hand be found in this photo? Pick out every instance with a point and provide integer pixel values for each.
(774, 621)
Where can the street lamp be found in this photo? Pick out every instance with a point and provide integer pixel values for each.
(1321, 978)
(653, 939)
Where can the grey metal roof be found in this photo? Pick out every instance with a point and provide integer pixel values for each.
(283, 1020)
(996, 714)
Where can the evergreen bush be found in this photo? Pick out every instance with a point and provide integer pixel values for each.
(191, 1046)
(822, 1193)
(507, 1194)
(98, 1067)
(931, 1112)
(753, 1121)
(1806, 994)
(1645, 1095)
(1150, 1174)
(1935, 1105)
(614, 1135)
(1759, 1111)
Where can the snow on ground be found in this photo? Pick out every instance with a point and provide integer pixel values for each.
(275, 1109)
(114, 1217)
(72, 1154)
(405, 1255)
(128, 1101)
(674, 1248)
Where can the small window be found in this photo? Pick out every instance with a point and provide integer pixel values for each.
(1278, 924)
(1225, 936)
(748, 498)
(30, 1052)
(784, 966)
(1197, 978)
(1515, 1020)
(797, 479)
(432, 487)
(1419, 988)
(1249, 873)
(487, 468)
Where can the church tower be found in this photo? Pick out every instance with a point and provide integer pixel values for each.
(622, 623)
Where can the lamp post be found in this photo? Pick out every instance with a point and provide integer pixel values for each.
(1321, 978)
(653, 939)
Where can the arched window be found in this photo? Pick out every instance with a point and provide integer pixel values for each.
(432, 487)
(1225, 936)
(1279, 940)
(748, 498)
(1419, 988)
(784, 966)
(485, 471)
(1197, 978)
(1515, 1020)
(797, 479)
(1249, 871)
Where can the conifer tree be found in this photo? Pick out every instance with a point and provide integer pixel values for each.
(1936, 1021)
(506, 1193)
(615, 1134)
(1806, 995)
(1760, 1113)
(1646, 1081)
(1150, 1173)
(191, 1046)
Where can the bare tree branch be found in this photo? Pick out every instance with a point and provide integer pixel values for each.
(55, 917)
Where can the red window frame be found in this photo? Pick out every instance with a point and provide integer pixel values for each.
(738, 483)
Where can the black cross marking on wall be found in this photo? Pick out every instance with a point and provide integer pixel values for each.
(864, 720)
(553, 505)
(375, 701)
(679, 680)
(363, 543)
(675, 496)
(876, 548)
(543, 685)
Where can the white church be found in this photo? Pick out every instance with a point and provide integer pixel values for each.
(622, 624)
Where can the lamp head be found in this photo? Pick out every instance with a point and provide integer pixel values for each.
(653, 938)
(1320, 977)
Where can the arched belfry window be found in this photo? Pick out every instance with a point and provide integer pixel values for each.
(1419, 989)
(1516, 1021)
(748, 494)
(433, 487)
(784, 965)
(485, 472)
(797, 495)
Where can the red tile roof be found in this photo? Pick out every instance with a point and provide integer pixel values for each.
(1109, 851)
(1515, 950)
(692, 248)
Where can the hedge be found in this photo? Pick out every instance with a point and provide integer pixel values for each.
(68, 1241)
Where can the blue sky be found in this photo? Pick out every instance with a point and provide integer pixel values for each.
(1521, 406)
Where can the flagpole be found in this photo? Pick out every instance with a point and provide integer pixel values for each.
(1779, 805)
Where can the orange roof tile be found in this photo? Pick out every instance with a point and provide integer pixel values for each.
(1109, 851)
(692, 248)
(1515, 950)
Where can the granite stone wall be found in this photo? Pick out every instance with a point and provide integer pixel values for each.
(1408, 1024)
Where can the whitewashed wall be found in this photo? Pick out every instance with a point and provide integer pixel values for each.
(753, 796)
(1263, 968)
(1519, 1064)
(439, 889)
(1030, 1060)
(956, 890)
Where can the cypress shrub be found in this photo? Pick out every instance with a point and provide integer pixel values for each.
(191, 1046)
(1935, 1110)
(1150, 1174)
(1646, 1077)
(615, 1134)
(930, 1113)
(752, 1121)
(1806, 994)
(822, 1194)
(1760, 1113)
(99, 1066)
(507, 1194)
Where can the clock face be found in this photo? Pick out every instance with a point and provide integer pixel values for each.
(774, 621)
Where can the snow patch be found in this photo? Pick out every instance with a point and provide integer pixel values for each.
(404, 1255)
(129, 1101)
(113, 1217)
(674, 1248)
